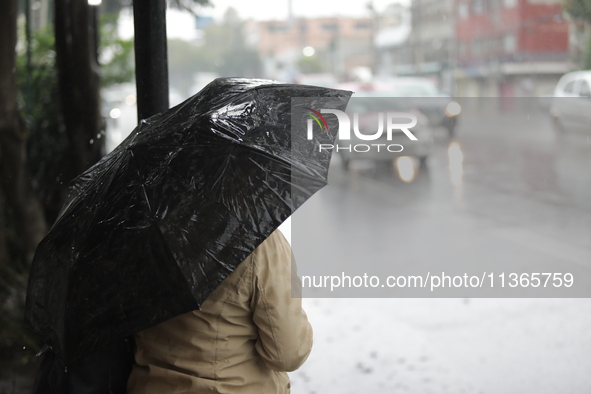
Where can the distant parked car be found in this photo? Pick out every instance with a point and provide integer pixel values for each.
(424, 94)
(570, 108)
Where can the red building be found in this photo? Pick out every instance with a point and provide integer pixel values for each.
(510, 47)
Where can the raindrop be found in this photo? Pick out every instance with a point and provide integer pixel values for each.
(91, 141)
(98, 136)
(24, 347)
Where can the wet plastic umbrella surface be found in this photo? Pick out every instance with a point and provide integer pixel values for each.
(153, 228)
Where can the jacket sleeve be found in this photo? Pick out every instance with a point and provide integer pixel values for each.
(285, 335)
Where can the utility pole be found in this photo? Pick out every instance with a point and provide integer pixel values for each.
(151, 57)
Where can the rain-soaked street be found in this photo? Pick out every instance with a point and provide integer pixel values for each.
(507, 195)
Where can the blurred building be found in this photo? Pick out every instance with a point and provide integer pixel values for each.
(417, 41)
(334, 46)
(394, 55)
(510, 47)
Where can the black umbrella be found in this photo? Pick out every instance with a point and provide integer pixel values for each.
(153, 228)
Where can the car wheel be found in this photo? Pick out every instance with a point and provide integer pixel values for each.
(423, 162)
(346, 163)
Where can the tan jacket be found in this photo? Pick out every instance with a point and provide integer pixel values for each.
(246, 335)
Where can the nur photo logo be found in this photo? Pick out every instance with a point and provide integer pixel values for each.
(386, 123)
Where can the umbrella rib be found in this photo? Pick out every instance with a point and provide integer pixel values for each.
(226, 266)
(143, 185)
(147, 199)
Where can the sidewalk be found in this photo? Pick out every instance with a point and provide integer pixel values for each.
(492, 346)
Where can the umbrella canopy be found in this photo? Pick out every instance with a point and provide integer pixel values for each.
(153, 228)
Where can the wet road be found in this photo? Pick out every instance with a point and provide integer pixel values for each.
(507, 194)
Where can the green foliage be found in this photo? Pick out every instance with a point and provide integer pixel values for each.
(184, 59)
(578, 9)
(232, 55)
(241, 62)
(587, 56)
(47, 143)
(310, 65)
(116, 55)
(188, 5)
(222, 50)
(48, 150)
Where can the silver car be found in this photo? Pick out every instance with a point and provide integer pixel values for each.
(423, 93)
(570, 108)
(384, 128)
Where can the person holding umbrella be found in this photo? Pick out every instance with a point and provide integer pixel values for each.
(248, 333)
(172, 239)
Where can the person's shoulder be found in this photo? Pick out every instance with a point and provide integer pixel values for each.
(275, 241)
(278, 238)
(272, 251)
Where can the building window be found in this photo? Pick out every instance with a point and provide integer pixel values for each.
(478, 7)
(510, 3)
(463, 11)
(303, 26)
(509, 43)
(276, 28)
(330, 26)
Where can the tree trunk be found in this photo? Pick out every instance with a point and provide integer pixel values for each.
(78, 83)
(3, 240)
(14, 176)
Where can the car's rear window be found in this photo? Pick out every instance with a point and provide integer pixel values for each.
(570, 87)
(584, 89)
